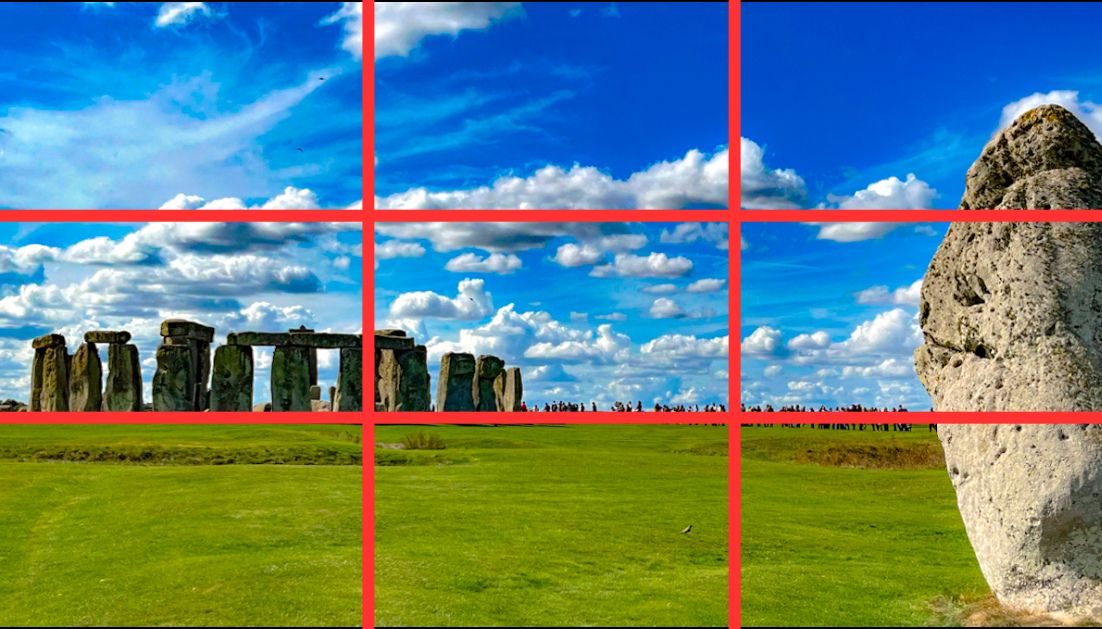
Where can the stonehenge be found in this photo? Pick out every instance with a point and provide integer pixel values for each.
(465, 383)
(187, 378)
(1011, 321)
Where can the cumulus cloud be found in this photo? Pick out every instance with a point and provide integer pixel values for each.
(511, 237)
(715, 233)
(682, 346)
(499, 263)
(574, 255)
(607, 347)
(665, 308)
(767, 188)
(692, 181)
(653, 265)
(398, 249)
(816, 340)
(471, 302)
(400, 26)
(853, 232)
(888, 194)
(291, 198)
(660, 289)
(707, 285)
(763, 341)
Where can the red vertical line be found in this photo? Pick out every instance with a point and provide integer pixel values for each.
(369, 112)
(734, 525)
(368, 542)
(369, 316)
(734, 317)
(734, 105)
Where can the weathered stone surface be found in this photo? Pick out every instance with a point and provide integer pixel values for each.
(390, 332)
(187, 329)
(332, 396)
(489, 384)
(321, 340)
(48, 340)
(455, 388)
(86, 380)
(1029, 497)
(174, 380)
(232, 378)
(320, 406)
(200, 356)
(392, 342)
(403, 380)
(124, 379)
(291, 379)
(313, 354)
(514, 390)
(50, 379)
(106, 336)
(1046, 159)
(1011, 319)
(315, 392)
(349, 393)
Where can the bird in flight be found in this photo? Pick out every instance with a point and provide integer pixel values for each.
(687, 529)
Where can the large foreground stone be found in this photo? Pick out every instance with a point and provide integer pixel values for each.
(403, 380)
(174, 381)
(1031, 500)
(124, 379)
(455, 389)
(349, 393)
(514, 390)
(50, 378)
(86, 380)
(231, 384)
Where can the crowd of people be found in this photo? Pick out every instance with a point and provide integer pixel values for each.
(871, 427)
(620, 407)
(797, 408)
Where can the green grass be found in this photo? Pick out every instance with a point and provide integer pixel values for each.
(553, 526)
(162, 543)
(867, 540)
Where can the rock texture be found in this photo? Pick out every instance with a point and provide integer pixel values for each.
(349, 393)
(1031, 500)
(124, 379)
(231, 383)
(86, 380)
(514, 390)
(291, 379)
(50, 374)
(455, 388)
(1047, 159)
(489, 384)
(1011, 313)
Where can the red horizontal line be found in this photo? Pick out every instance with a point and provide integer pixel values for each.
(588, 417)
(918, 216)
(155, 417)
(921, 417)
(183, 216)
(550, 216)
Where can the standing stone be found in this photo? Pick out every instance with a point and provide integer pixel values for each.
(403, 380)
(489, 384)
(1029, 497)
(86, 380)
(514, 390)
(313, 354)
(1010, 312)
(291, 379)
(49, 374)
(387, 374)
(387, 340)
(332, 397)
(174, 380)
(455, 389)
(349, 392)
(124, 379)
(232, 378)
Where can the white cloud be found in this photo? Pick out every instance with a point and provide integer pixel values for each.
(608, 347)
(499, 263)
(180, 13)
(653, 265)
(472, 302)
(613, 316)
(573, 255)
(511, 237)
(660, 289)
(691, 181)
(681, 346)
(291, 198)
(351, 17)
(400, 26)
(664, 308)
(398, 249)
(893, 332)
(707, 285)
(715, 233)
(853, 232)
(765, 188)
(903, 296)
(889, 194)
(887, 368)
(816, 340)
(772, 370)
(764, 341)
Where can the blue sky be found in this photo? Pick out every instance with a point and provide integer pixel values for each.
(589, 311)
(504, 104)
(72, 277)
(844, 96)
(183, 105)
(829, 312)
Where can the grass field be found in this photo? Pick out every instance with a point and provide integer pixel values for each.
(851, 528)
(552, 526)
(170, 533)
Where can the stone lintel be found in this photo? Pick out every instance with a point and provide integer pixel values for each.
(107, 336)
(187, 329)
(48, 340)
